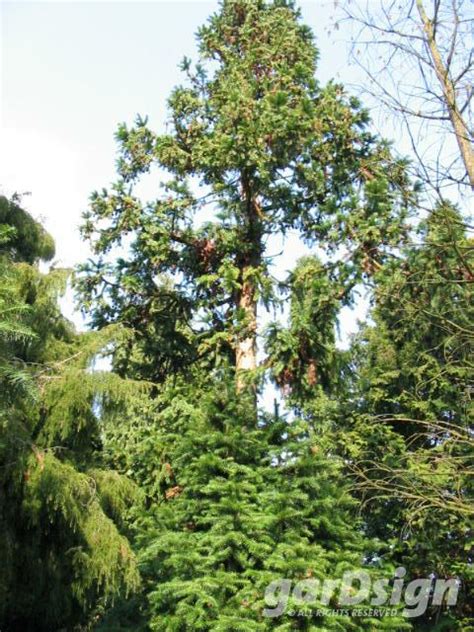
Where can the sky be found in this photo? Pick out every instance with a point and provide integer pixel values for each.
(71, 71)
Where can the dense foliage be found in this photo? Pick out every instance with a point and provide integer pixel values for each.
(255, 147)
(412, 436)
(61, 550)
(158, 495)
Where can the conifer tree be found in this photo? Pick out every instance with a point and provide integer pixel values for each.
(255, 146)
(303, 358)
(233, 505)
(59, 508)
(410, 436)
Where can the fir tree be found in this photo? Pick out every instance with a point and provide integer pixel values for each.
(233, 504)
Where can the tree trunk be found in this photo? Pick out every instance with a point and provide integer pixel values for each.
(459, 125)
(246, 344)
(246, 298)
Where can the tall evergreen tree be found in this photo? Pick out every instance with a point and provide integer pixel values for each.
(255, 146)
(59, 508)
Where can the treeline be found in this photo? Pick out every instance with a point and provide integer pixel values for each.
(158, 495)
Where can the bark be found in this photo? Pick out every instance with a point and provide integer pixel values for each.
(459, 126)
(246, 297)
(246, 347)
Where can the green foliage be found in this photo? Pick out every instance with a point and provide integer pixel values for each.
(411, 440)
(60, 549)
(168, 450)
(425, 314)
(233, 503)
(255, 146)
(28, 240)
(302, 356)
(57, 493)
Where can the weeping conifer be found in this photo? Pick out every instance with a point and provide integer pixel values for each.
(60, 546)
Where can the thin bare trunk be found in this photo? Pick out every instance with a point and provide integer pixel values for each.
(459, 125)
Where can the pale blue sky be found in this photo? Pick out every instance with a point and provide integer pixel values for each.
(71, 71)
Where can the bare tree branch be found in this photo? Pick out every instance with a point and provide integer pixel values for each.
(420, 64)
